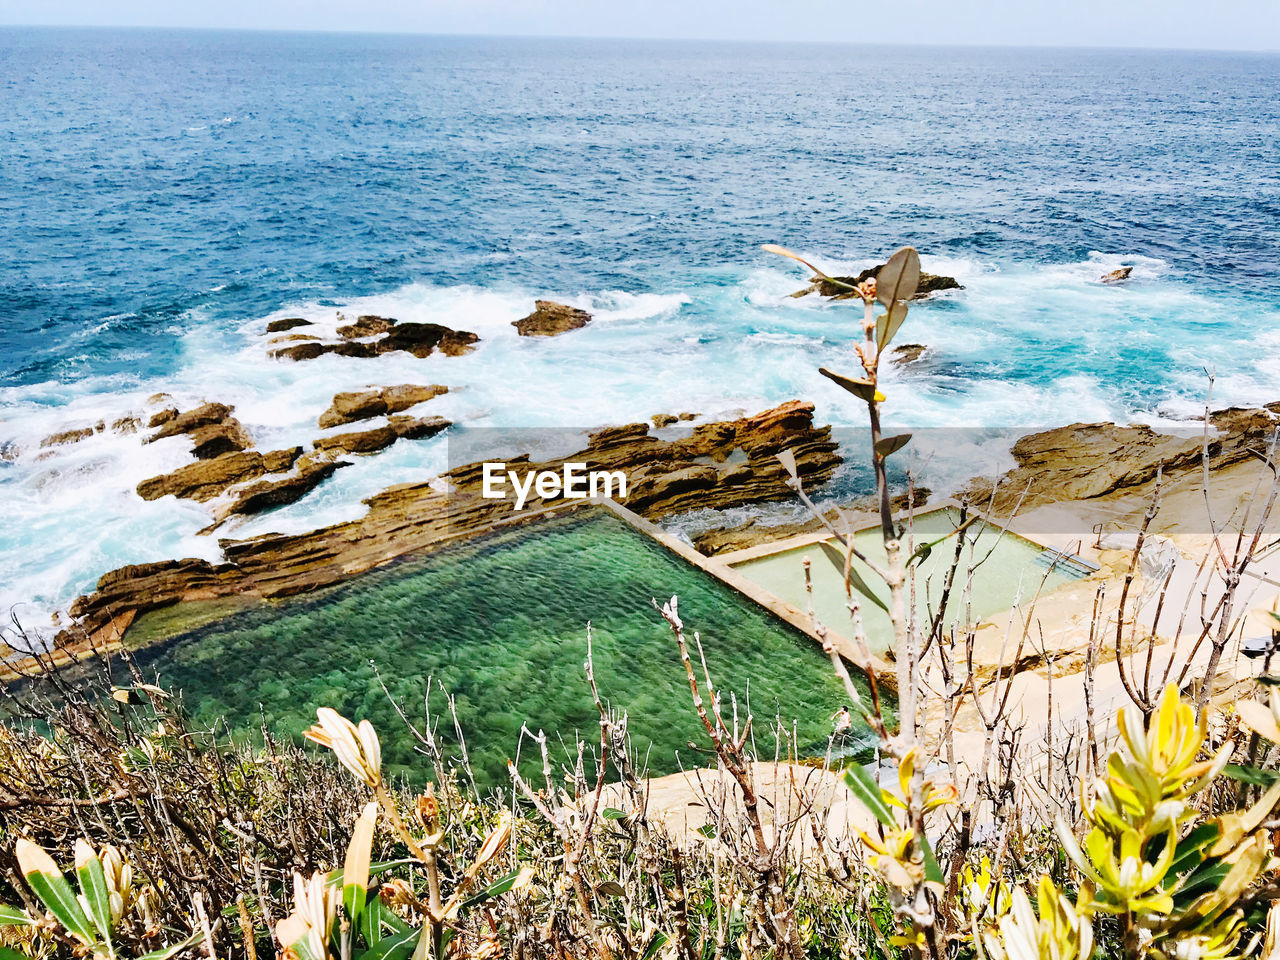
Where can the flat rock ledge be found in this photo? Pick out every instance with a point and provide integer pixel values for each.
(377, 402)
(550, 319)
(372, 336)
(1087, 460)
(719, 464)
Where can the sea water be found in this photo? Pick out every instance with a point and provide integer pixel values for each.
(164, 195)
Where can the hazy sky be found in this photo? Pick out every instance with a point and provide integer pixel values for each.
(1222, 24)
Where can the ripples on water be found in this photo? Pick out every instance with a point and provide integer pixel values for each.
(166, 194)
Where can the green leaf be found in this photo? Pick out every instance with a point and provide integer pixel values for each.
(93, 885)
(899, 277)
(13, 916)
(864, 390)
(611, 888)
(56, 894)
(378, 915)
(863, 786)
(659, 941)
(164, 953)
(932, 872)
(335, 876)
(887, 446)
(1266, 679)
(1254, 775)
(8, 953)
(612, 813)
(1190, 851)
(707, 830)
(853, 579)
(497, 888)
(355, 870)
(398, 946)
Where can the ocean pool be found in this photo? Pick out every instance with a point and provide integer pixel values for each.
(1011, 571)
(501, 622)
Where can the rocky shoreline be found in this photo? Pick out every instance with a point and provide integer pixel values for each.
(715, 465)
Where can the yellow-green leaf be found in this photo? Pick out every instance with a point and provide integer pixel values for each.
(864, 390)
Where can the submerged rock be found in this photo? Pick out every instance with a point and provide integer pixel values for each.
(550, 319)
(1115, 276)
(376, 401)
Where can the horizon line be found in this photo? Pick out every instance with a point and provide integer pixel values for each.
(635, 39)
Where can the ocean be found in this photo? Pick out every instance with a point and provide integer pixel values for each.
(166, 194)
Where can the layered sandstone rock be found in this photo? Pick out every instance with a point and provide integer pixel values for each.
(1087, 460)
(550, 319)
(371, 441)
(716, 465)
(207, 479)
(377, 401)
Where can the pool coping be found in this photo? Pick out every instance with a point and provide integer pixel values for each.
(884, 670)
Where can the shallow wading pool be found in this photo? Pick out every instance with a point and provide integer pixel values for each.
(1011, 572)
(501, 622)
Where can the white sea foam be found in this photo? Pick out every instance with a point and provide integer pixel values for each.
(1021, 346)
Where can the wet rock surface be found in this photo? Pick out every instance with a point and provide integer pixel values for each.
(418, 339)
(550, 319)
(288, 323)
(377, 401)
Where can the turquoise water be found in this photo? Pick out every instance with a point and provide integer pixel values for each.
(1006, 570)
(502, 623)
(166, 194)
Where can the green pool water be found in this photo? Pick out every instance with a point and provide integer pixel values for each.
(1012, 570)
(501, 622)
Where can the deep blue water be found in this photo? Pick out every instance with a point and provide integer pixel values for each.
(163, 194)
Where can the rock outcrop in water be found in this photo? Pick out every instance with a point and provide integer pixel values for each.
(376, 402)
(1115, 276)
(717, 465)
(930, 283)
(377, 438)
(419, 339)
(550, 319)
(288, 323)
(207, 479)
